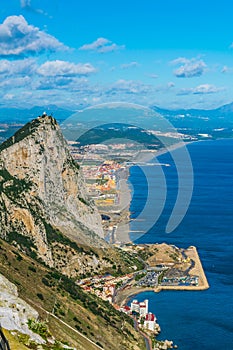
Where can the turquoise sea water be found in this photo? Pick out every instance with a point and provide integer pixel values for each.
(201, 320)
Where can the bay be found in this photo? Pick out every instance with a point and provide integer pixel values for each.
(199, 319)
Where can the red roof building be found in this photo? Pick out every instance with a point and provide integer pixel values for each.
(150, 317)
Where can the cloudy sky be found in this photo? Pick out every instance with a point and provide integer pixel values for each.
(169, 53)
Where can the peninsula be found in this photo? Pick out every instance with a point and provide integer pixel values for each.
(83, 270)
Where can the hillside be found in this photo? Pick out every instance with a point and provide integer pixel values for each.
(51, 235)
(47, 290)
(44, 207)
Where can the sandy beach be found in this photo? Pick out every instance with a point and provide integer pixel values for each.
(123, 228)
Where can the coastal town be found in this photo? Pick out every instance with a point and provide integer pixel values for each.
(106, 170)
(186, 273)
(162, 266)
(165, 266)
(169, 268)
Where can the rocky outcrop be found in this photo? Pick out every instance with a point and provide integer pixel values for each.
(42, 192)
(15, 312)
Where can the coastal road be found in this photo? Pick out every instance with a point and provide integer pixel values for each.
(146, 337)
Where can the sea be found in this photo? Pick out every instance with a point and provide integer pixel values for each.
(200, 320)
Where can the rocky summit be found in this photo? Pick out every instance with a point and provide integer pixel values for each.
(43, 199)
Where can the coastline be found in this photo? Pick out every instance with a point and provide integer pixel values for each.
(125, 193)
(123, 208)
(123, 297)
(123, 236)
(213, 302)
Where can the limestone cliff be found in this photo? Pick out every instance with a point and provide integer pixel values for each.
(14, 311)
(42, 192)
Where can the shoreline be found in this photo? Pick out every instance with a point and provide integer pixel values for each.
(125, 192)
(123, 297)
(123, 236)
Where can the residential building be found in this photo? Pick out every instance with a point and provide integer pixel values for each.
(150, 322)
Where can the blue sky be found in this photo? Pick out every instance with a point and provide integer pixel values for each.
(169, 53)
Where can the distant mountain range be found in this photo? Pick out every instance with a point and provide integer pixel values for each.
(217, 112)
(21, 115)
(214, 122)
(18, 115)
(217, 123)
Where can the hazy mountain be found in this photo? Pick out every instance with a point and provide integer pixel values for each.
(215, 122)
(21, 115)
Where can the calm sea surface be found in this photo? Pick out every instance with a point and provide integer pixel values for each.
(195, 320)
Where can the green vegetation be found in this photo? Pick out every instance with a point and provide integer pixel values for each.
(12, 186)
(25, 244)
(26, 130)
(84, 201)
(39, 328)
(55, 236)
(91, 316)
(160, 278)
(146, 253)
(101, 181)
(32, 268)
(40, 296)
(131, 259)
(140, 276)
(174, 256)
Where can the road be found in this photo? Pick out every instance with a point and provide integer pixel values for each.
(146, 337)
(66, 324)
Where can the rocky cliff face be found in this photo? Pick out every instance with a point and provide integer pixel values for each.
(42, 192)
(14, 311)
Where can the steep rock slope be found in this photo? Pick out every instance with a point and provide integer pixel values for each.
(42, 192)
(14, 311)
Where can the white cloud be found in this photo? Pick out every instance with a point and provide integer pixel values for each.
(189, 67)
(206, 89)
(19, 67)
(18, 38)
(180, 60)
(18, 82)
(227, 69)
(128, 87)
(65, 69)
(101, 45)
(8, 97)
(61, 82)
(170, 84)
(124, 88)
(201, 90)
(26, 5)
(130, 65)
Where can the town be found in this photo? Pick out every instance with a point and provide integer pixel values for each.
(146, 319)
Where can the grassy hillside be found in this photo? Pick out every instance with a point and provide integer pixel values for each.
(48, 291)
